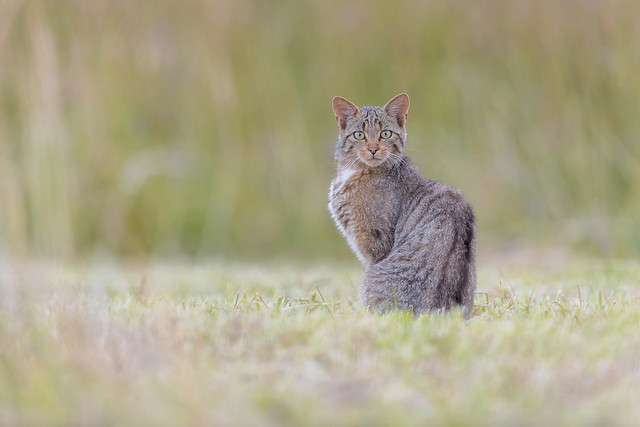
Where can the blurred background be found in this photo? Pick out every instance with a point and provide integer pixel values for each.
(204, 129)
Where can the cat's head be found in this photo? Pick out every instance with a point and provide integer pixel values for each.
(370, 135)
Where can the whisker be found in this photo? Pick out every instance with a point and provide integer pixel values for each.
(352, 162)
(396, 159)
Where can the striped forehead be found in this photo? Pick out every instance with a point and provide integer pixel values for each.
(370, 118)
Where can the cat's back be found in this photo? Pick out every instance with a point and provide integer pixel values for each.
(430, 203)
(432, 262)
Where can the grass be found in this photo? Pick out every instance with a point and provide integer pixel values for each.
(236, 344)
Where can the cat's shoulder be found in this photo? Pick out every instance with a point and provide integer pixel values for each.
(436, 192)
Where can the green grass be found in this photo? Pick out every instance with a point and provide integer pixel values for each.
(237, 344)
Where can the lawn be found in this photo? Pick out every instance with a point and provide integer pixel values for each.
(236, 344)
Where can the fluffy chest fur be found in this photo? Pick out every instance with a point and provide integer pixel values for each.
(364, 214)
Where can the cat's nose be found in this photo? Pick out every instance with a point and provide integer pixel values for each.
(373, 150)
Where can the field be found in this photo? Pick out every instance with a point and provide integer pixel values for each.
(238, 344)
(132, 133)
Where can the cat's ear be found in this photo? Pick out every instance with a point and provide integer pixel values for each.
(398, 107)
(344, 110)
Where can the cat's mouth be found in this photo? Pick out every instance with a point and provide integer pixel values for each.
(373, 159)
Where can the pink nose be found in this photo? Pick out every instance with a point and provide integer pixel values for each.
(373, 150)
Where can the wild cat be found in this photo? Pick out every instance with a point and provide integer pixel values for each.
(415, 236)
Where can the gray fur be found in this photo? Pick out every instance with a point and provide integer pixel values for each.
(415, 236)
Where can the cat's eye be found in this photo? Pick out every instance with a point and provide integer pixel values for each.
(385, 134)
(358, 135)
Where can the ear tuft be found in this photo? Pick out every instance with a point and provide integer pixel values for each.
(398, 107)
(344, 110)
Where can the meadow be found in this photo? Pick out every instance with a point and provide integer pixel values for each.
(233, 344)
(166, 254)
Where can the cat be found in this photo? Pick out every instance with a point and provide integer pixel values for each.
(415, 236)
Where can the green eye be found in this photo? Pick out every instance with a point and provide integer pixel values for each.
(358, 135)
(385, 134)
